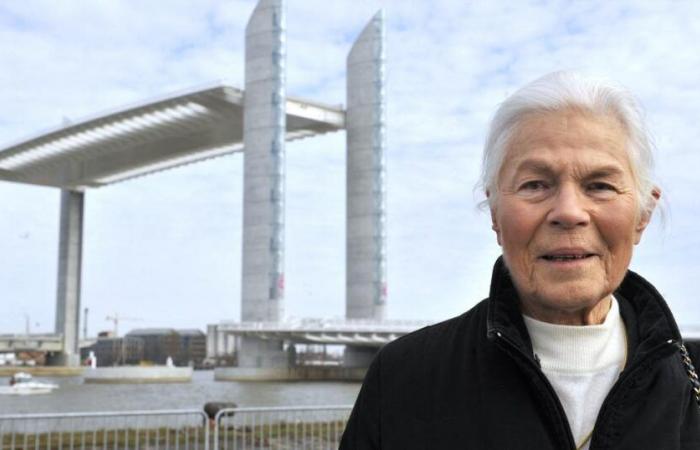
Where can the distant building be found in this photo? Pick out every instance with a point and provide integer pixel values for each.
(149, 345)
(193, 348)
(111, 351)
(158, 343)
(185, 347)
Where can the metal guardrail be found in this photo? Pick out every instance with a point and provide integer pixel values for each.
(165, 429)
(289, 428)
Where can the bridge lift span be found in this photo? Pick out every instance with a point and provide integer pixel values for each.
(219, 120)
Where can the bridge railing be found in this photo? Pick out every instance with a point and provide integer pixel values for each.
(302, 427)
(335, 325)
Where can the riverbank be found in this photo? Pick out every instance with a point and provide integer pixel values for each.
(42, 371)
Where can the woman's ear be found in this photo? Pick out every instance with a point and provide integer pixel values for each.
(494, 221)
(645, 216)
(494, 227)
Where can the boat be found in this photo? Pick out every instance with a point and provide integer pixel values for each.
(22, 383)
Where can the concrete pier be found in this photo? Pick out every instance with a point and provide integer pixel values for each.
(264, 130)
(366, 287)
(137, 374)
(69, 273)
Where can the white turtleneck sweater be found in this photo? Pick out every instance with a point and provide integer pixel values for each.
(582, 363)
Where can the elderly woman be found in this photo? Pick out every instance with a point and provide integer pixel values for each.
(570, 350)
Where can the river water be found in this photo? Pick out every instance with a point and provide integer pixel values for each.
(74, 396)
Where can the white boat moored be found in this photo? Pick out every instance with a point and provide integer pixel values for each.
(22, 383)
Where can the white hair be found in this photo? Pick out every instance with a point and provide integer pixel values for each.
(559, 91)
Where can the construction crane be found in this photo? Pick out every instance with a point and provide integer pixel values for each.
(116, 318)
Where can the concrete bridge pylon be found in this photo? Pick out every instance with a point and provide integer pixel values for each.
(70, 249)
(264, 129)
(365, 122)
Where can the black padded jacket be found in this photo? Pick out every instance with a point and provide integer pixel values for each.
(472, 382)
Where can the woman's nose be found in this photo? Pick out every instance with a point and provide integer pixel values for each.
(569, 208)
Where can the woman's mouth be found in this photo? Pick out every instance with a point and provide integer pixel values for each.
(572, 257)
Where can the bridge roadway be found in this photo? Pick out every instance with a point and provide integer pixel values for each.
(10, 343)
(359, 333)
(363, 333)
(30, 342)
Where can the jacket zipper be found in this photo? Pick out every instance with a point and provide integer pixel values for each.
(608, 399)
(561, 415)
(624, 376)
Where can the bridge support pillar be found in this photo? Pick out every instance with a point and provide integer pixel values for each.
(264, 130)
(258, 353)
(69, 272)
(365, 280)
(358, 356)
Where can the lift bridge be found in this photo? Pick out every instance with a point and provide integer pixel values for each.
(214, 121)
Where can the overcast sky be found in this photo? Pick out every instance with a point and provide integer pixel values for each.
(166, 249)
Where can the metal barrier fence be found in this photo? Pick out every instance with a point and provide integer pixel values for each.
(166, 429)
(288, 428)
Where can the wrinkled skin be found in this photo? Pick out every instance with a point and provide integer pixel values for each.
(567, 214)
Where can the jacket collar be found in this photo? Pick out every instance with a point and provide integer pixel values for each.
(647, 318)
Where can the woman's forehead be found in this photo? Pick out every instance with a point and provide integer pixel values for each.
(544, 141)
(568, 126)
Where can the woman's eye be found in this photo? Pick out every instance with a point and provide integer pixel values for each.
(601, 187)
(535, 185)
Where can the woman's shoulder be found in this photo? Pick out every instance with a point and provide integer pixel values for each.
(465, 329)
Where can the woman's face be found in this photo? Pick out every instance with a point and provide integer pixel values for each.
(567, 212)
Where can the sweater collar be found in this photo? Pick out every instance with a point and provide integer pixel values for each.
(579, 349)
(647, 318)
